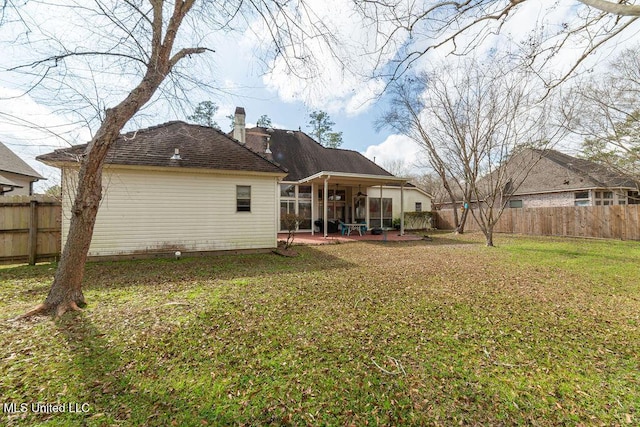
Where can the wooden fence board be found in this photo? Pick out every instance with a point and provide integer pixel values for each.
(19, 241)
(606, 222)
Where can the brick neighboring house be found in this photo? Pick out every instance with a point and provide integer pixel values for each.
(549, 178)
(16, 176)
(559, 179)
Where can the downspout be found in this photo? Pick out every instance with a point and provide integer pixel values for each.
(381, 210)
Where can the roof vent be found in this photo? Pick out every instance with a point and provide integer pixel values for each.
(176, 155)
(270, 130)
(268, 150)
(290, 132)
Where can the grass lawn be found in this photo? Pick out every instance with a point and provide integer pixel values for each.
(537, 331)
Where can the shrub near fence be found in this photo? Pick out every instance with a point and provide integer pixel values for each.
(607, 222)
(29, 229)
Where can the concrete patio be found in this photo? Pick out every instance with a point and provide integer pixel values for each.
(319, 239)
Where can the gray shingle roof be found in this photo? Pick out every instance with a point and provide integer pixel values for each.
(10, 162)
(199, 147)
(303, 157)
(557, 171)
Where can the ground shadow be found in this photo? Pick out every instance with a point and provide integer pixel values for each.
(103, 379)
(116, 274)
(427, 241)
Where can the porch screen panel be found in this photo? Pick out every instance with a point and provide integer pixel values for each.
(286, 207)
(304, 211)
(374, 212)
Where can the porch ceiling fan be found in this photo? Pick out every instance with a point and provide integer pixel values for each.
(360, 193)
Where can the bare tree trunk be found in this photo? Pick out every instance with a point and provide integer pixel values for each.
(488, 234)
(463, 220)
(66, 291)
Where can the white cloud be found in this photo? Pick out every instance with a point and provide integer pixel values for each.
(30, 129)
(396, 148)
(331, 72)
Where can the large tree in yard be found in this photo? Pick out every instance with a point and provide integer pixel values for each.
(471, 119)
(608, 102)
(138, 45)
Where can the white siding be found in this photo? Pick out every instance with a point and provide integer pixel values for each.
(411, 196)
(146, 211)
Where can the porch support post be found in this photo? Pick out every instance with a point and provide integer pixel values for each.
(325, 197)
(402, 208)
(314, 202)
(366, 211)
(381, 210)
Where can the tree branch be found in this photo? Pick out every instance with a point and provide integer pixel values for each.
(613, 8)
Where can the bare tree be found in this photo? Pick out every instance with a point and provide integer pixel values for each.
(432, 184)
(406, 117)
(471, 120)
(408, 32)
(397, 167)
(135, 45)
(608, 115)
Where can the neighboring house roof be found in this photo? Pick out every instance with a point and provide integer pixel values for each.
(556, 171)
(10, 162)
(303, 157)
(199, 147)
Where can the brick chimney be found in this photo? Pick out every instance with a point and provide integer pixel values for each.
(239, 125)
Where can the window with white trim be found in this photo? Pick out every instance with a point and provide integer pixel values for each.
(243, 198)
(603, 198)
(582, 198)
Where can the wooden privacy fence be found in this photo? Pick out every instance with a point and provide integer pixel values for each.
(607, 222)
(29, 229)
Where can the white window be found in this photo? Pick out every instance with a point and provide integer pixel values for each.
(243, 198)
(603, 198)
(582, 198)
(418, 206)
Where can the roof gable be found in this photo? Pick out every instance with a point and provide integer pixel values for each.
(303, 157)
(198, 146)
(10, 162)
(556, 171)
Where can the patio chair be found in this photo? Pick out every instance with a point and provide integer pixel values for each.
(342, 228)
(364, 227)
